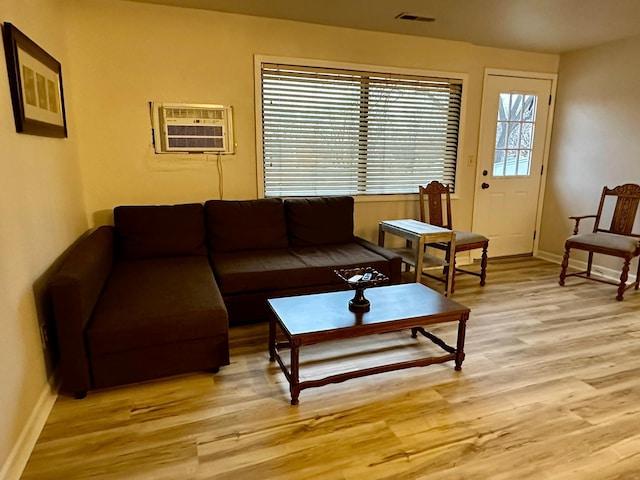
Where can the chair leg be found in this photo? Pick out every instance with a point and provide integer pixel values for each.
(408, 244)
(483, 265)
(452, 272)
(589, 263)
(565, 264)
(623, 279)
(445, 269)
(638, 275)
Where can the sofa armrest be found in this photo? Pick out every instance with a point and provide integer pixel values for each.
(395, 260)
(75, 289)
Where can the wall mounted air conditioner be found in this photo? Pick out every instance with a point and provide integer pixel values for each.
(192, 128)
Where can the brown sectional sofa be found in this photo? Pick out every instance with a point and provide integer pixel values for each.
(153, 295)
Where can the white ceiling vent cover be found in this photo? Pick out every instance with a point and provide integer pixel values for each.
(193, 128)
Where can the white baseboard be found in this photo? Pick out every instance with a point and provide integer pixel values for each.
(19, 455)
(551, 257)
(608, 273)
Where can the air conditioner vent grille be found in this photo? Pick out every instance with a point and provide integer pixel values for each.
(195, 130)
(194, 113)
(196, 142)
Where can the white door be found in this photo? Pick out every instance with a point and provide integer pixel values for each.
(511, 151)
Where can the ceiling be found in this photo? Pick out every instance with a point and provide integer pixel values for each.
(550, 26)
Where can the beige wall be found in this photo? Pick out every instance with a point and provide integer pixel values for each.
(126, 54)
(595, 139)
(41, 213)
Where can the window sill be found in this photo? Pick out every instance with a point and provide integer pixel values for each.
(398, 197)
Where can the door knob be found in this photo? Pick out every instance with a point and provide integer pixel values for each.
(484, 185)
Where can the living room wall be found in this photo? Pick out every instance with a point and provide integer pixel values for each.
(127, 54)
(41, 214)
(595, 139)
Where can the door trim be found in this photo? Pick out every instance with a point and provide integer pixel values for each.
(553, 77)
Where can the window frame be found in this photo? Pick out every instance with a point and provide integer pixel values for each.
(303, 62)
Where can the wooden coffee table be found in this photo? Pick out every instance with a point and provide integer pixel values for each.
(311, 319)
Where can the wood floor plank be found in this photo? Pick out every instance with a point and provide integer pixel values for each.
(550, 389)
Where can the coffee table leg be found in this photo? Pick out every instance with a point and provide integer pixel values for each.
(294, 384)
(462, 328)
(272, 337)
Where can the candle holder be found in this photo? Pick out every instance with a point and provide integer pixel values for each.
(359, 279)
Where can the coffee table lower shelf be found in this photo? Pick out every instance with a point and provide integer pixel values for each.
(312, 325)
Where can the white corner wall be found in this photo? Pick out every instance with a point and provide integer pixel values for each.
(41, 214)
(595, 140)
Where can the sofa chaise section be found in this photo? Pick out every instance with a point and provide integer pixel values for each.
(138, 300)
(163, 316)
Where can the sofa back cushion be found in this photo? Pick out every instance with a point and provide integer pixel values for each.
(234, 225)
(149, 231)
(319, 220)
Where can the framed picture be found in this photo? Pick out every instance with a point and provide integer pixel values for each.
(35, 80)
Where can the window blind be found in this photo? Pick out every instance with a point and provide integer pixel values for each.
(347, 132)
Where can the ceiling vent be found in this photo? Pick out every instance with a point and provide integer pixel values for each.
(414, 18)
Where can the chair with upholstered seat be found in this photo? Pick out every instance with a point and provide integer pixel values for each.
(617, 241)
(432, 212)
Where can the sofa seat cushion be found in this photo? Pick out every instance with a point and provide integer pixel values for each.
(258, 270)
(271, 270)
(156, 301)
(321, 261)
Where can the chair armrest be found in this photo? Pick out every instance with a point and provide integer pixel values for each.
(577, 220)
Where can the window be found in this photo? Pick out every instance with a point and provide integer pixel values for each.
(330, 131)
(514, 134)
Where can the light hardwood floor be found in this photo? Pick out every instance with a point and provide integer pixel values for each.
(550, 389)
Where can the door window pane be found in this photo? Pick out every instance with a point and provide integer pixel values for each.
(510, 165)
(498, 163)
(524, 162)
(526, 136)
(514, 135)
(501, 135)
(529, 108)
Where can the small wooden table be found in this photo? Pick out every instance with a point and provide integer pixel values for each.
(418, 234)
(311, 319)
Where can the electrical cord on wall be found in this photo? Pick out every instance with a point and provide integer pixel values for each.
(220, 175)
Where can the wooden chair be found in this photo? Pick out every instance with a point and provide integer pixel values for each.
(465, 241)
(617, 241)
